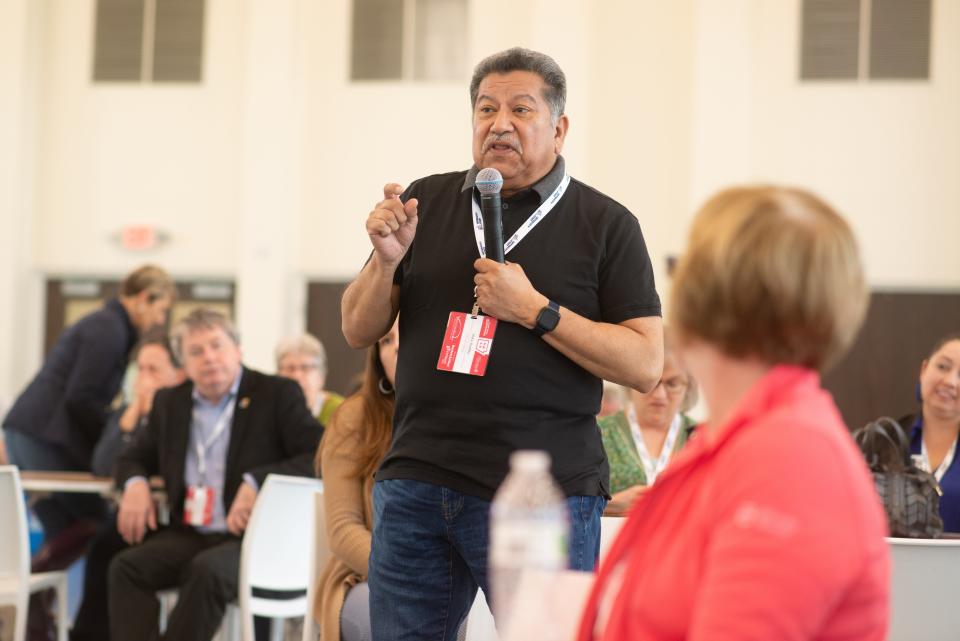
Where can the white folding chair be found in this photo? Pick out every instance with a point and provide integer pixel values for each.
(923, 589)
(609, 529)
(16, 581)
(277, 551)
(320, 556)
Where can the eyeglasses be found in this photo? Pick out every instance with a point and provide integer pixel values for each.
(290, 370)
(675, 385)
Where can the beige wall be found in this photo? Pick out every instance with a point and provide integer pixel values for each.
(887, 154)
(267, 177)
(115, 154)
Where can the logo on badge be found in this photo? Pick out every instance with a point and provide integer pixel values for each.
(456, 328)
(483, 346)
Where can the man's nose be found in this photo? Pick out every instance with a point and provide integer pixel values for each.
(503, 122)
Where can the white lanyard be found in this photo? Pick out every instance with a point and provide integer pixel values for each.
(944, 466)
(225, 417)
(525, 228)
(650, 467)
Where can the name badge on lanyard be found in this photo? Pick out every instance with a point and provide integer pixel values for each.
(199, 501)
(468, 338)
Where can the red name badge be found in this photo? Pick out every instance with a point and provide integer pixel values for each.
(467, 344)
(198, 506)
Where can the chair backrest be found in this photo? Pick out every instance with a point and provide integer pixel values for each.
(318, 561)
(14, 548)
(14, 537)
(924, 588)
(278, 543)
(609, 528)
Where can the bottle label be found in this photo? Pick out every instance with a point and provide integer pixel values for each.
(529, 544)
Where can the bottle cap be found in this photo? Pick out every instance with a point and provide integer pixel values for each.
(530, 461)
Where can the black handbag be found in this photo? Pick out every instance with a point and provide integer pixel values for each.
(910, 495)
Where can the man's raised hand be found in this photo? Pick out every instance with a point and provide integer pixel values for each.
(392, 225)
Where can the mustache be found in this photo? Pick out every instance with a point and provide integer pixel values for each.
(502, 139)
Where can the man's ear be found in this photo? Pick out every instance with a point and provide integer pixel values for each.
(560, 133)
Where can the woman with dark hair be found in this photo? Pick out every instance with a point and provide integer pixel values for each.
(355, 441)
(933, 431)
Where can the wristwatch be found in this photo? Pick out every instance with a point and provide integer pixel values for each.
(547, 319)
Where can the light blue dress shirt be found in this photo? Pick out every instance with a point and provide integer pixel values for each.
(206, 415)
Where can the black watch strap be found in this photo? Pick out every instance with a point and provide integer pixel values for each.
(547, 319)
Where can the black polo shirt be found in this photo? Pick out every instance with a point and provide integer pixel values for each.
(458, 430)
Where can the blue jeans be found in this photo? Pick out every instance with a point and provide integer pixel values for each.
(429, 556)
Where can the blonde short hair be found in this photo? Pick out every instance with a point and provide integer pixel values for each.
(151, 278)
(772, 273)
(306, 344)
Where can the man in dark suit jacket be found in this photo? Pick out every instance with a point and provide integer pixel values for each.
(56, 421)
(213, 440)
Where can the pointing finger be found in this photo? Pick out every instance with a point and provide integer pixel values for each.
(392, 190)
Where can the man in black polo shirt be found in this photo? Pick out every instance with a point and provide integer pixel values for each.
(575, 303)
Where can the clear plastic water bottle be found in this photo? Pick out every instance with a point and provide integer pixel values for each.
(529, 528)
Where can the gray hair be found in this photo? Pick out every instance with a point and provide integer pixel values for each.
(306, 344)
(520, 59)
(201, 318)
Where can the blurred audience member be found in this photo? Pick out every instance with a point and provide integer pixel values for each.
(933, 431)
(213, 440)
(57, 420)
(613, 399)
(157, 368)
(642, 439)
(356, 440)
(767, 525)
(304, 359)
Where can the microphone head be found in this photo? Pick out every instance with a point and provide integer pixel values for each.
(489, 181)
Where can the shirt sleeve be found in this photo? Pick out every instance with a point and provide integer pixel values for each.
(627, 287)
(86, 398)
(112, 440)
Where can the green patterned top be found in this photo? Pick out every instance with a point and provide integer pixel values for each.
(331, 402)
(626, 470)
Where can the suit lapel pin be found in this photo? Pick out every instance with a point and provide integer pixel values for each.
(244, 402)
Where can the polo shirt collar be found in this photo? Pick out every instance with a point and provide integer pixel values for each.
(772, 389)
(543, 187)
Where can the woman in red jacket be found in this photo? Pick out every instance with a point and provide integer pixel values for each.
(767, 526)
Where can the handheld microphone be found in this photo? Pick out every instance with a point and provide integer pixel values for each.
(489, 182)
